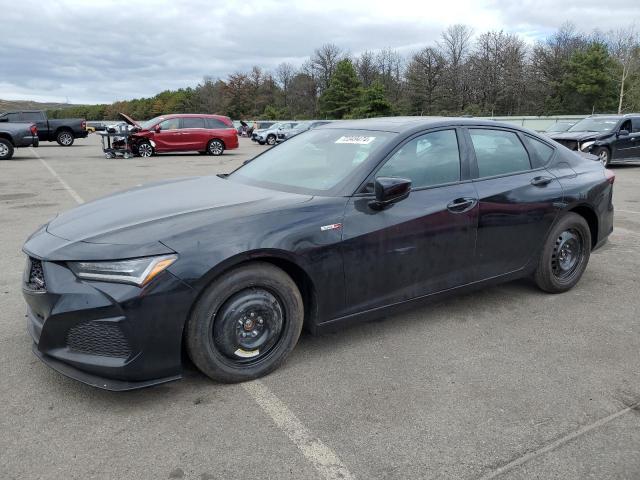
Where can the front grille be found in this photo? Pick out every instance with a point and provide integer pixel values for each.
(35, 276)
(98, 338)
(570, 144)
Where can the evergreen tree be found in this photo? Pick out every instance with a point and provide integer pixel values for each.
(373, 102)
(342, 95)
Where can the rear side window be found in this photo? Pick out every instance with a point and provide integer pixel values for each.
(193, 122)
(498, 152)
(215, 123)
(32, 116)
(430, 159)
(542, 152)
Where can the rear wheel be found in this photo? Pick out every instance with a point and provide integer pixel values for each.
(565, 255)
(604, 155)
(65, 138)
(6, 149)
(245, 324)
(215, 147)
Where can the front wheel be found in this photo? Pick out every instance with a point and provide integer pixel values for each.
(6, 149)
(215, 147)
(565, 255)
(271, 140)
(145, 150)
(604, 155)
(245, 324)
(65, 138)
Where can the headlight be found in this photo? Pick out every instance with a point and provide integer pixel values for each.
(586, 145)
(137, 271)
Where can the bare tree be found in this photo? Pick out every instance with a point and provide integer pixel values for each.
(455, 44)
(424, 74)
(284, 74)
(390, 68)
(324, 61)
(366, 67)
(625, 47)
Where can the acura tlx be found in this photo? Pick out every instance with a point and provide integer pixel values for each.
(342, 223)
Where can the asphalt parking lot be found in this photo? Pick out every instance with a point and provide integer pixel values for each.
(508, 382)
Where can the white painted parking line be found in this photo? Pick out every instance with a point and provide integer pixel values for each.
(558, 443)
(324, 460)
(66, 186)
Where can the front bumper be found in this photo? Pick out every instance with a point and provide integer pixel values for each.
(108, 335)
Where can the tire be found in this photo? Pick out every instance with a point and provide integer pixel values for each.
(261, 142)
(271, 140)
(65, 138)
(6, 149)
(145, 150)
(565, 255)
(215, 147)
(234, 306)
(604, 155)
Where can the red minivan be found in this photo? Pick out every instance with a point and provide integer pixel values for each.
(211, 134)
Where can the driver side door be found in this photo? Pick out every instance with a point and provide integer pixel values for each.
(169, 138)
(421, 245)
(627, 147)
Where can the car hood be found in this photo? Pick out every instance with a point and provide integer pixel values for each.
(129, 120)
(157, 211)
(577, 136)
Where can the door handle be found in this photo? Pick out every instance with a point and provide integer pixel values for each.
(461, 205)
(541, 181)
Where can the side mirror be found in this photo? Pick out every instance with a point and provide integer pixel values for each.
(623, 133)
(157, 129)
(389, 190)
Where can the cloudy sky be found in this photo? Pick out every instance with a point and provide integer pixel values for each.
(101, 51)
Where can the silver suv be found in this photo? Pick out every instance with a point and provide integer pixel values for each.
(270, 135)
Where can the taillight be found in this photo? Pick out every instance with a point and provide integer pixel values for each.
(34, 130)
(609, 175)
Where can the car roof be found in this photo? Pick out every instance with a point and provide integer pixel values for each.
(187, 115)
(406, 124)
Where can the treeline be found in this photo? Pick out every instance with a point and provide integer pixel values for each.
(494, 73)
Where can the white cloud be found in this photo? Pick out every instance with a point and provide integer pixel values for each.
(105, 51)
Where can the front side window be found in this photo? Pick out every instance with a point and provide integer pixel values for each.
(192, 122)
(430, 159)
(635, 125)
(498, 152)
(170, 124)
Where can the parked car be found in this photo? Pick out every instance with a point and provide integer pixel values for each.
(346, 222)
(560, 126)
(206, 134)
(270, 135)
(613, 138)
(62, 130)
(256, 128)
(16, 135)
(299, 128)
(96, 126)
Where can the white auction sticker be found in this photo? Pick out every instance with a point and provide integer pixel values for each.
(356, 140)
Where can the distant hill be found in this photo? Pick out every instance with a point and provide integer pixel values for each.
(29, 105)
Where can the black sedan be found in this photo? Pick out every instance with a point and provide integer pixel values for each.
(341, 223)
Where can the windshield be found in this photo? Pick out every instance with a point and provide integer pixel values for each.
(314, 161)
(150, 123)
(595, 124)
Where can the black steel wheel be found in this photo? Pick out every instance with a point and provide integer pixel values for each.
(65, 138)
(215, 147)
(565, 254)
(245, 323)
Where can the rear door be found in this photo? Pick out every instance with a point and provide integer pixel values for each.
(169, 138)
(194, 136)
(422, 244)
(519, 199)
